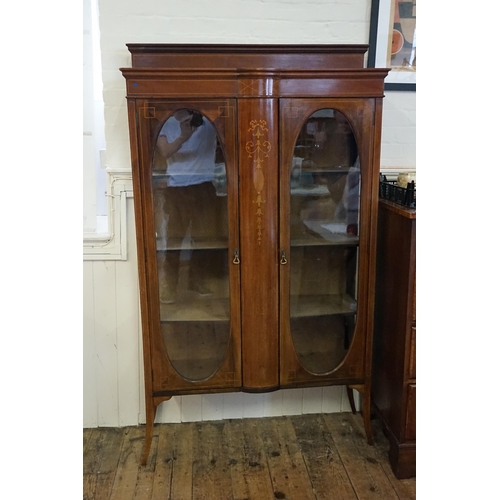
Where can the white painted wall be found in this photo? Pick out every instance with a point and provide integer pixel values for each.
(113, 383)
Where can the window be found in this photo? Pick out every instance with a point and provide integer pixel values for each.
(94, 145)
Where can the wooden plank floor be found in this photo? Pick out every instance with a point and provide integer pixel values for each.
(317, 457)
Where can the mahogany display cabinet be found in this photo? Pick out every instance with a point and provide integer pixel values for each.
(394, 381)
(255, 177)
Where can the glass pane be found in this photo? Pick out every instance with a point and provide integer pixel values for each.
(324, 221)
(191, 222)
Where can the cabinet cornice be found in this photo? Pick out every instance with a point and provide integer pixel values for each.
(151, 82)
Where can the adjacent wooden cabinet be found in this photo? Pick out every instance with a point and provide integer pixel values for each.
(255, 174)
(394, 389)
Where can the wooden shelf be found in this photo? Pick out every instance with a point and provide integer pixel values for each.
(309, 239)
(315, 234)
(325, 170)
(198, 244)
(313, 190)
(199, 309)
(194, 308)
(321, 305)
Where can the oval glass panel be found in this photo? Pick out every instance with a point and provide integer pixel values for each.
(324, 222)
(191, 223)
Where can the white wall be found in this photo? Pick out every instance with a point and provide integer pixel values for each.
(113, 387)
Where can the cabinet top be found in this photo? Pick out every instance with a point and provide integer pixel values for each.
(409, 213)
(276, 56)
(245, 48)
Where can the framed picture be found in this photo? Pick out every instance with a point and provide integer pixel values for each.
(393, 42)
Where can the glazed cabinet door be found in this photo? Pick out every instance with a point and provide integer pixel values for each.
(326, 186)
(188, 175)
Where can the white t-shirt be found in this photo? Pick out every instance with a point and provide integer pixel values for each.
(194, 163)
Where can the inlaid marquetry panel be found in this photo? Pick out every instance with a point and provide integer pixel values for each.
(258, 120)
(258, 150)
(256, 87)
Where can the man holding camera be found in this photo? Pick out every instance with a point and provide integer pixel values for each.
(185, 202)
(188, 144)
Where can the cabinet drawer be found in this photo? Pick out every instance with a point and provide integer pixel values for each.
(411, 413)
(413, 353)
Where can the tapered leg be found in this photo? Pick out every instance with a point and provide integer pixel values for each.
(150, 420)
(365, 390)
(151, 406)
(367, 407)
(350, 396)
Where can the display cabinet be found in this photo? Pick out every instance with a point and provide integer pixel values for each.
(394, 387)
(255, 176)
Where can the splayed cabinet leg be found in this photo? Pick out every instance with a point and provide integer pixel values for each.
(365, 390)
(150, 420)
(350, 396)
(151, 406)
(367, 407)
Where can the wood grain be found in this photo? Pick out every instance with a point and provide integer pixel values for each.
(211, 476)
(248, 463)
(321, 457)
(368, 478)
(164, 463)
(100, 461)
(324, 465)
(129, 479)
(404, 488)
(286, 464)
(183, 456)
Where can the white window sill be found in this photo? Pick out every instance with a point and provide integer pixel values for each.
(109, 241)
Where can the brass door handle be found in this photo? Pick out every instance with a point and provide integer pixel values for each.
(236, 259)
(283, 257)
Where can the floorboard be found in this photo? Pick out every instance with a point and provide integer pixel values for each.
(183, 457)
(211, 475)
(249, 469)
(323, 462)
(306, 457)
(368, 478)
(286, 464)
(101, 455)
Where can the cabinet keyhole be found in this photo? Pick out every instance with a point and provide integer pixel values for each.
(236, 259)
(283, 257)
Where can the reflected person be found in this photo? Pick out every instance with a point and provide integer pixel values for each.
(188, 143)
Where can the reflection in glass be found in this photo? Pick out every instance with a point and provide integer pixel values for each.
(190, 203)
(324, 222)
